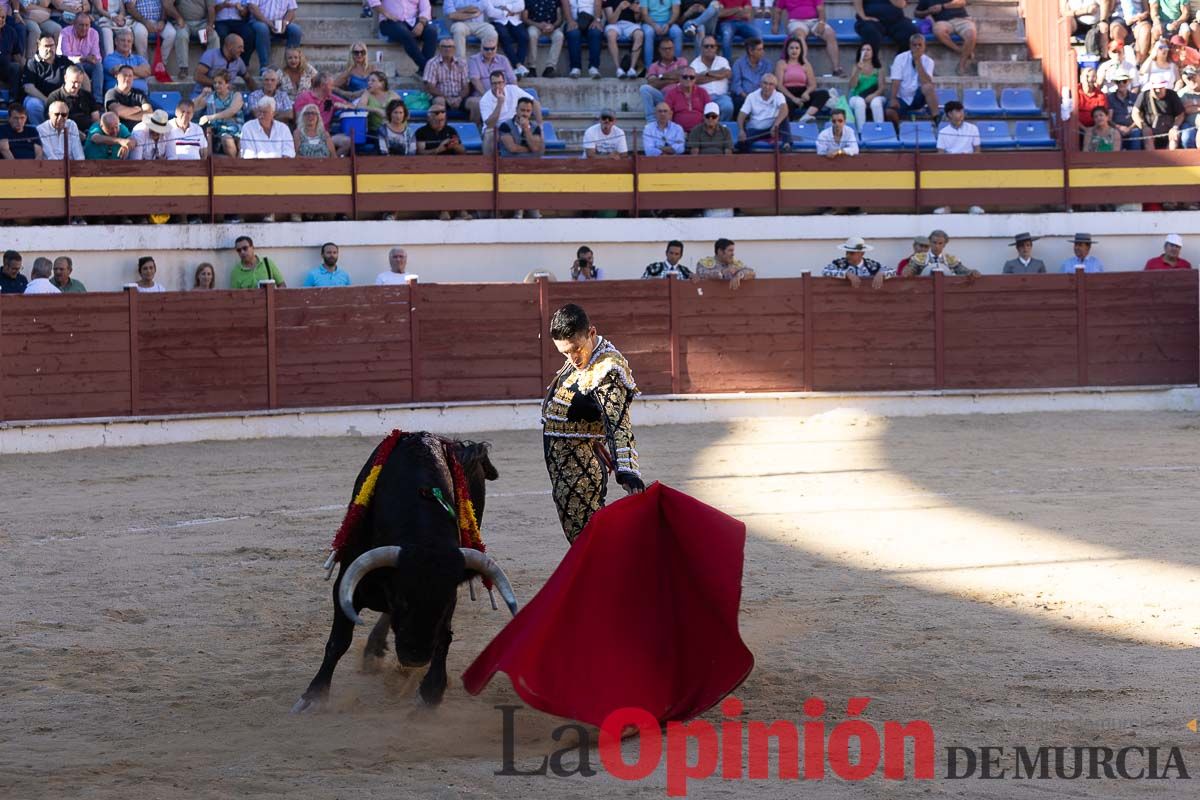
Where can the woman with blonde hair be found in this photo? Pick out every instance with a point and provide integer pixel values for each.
(297, 74)
(352, 82)
(312, 140)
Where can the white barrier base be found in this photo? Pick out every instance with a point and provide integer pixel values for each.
(52, 436)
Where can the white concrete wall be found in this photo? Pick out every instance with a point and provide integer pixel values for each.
(505, 250)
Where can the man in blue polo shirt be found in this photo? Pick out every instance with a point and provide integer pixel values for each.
(121, 55)
(328, 274)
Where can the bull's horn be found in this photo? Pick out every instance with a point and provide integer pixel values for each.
(484, 565)
(371, 560)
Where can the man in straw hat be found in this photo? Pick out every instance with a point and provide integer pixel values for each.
(150, 142)
(1024, 263)
(855, 265)
(1083, 258)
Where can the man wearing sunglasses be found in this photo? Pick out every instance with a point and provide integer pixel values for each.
(661, 76)
(446, 77)
(712, 74)
(59, 135)
(710, 138)
(480, 67)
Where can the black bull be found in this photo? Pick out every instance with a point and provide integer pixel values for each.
(406, 562)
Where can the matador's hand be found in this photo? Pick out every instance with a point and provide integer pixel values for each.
(631, 483)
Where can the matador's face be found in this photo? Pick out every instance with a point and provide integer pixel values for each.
(578, 349)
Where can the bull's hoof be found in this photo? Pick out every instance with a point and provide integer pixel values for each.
(307, 704)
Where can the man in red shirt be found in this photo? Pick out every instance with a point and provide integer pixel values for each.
(687, 100)
(1089, 96)
(1170, 258)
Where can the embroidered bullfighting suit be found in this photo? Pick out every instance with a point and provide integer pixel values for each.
(586, 428)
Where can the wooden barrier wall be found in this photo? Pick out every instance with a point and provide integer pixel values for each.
(109, 354)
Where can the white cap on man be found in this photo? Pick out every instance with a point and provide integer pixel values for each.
(712, 108)
(1175, 239)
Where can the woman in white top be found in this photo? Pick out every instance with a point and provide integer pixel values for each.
(266, 137)
(1160, 64)
(146, 272)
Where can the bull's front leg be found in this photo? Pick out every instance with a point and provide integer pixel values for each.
(376, 649)
(433, 685)
(339, 642)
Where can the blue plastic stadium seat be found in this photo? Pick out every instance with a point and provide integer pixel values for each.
(1033, 133)
(166, 101)
(804, 136)
(468, 134)
(845, 31)
(945, 94)
(1019, 103)
(733, 130)
(764, 32)
(553, 143)
(995, 135)
(980, 103)
(914, 134)
(878, 136)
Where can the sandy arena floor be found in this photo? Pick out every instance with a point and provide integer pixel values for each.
(1028, 579)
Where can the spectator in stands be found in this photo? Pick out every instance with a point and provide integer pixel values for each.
(854, 265)
(920, 244)
(605, 139)
(36, 19)
(1024, 263)
(328, 273)
(698, 19)
(1169, 17)
(1182, 55)
(1087, 22)
(397, 137)
(61, 278)
(950, 19)
(273, 19)
(108, 17)
(149, 138)
(227, 59)
(80, 43)
(838, 140)
(959, 137)
(252, 268)
(623, 21)
(748, 71)
(265, 136)
(662, 75)
(505, 17)
(673, 267)
(798, 82)
(40, 278)
(223, 113)
(480, 68)
(543, 18)
(11, 279)
(1083, 259)
(937, 260)
(147, 269)
(1189, 94)
(407, 23)
(351, 83)
(321, 95)
(520, 135)
(804, 18)
(284, 112)
(1160, 65)
(584, 268)
(436, 137)
(376, 100)
(446, 77)
(764, 117)
(125, 100)
(466, 18)
(712, 75)
(736, 18)
(123, 55)
(107, 138)
(185, 139)
(1172, 246)
(1117, 63)
(59, 135)
(1132, 16)
(866, 86)
(42, 74)
(18, 140)
(311, 140)
(297, 74)
(205, 278)
(500, 104)
(199, 18)
(710, 138)
(1159, 113)
(153, 18)
(395, 275)
(664, 137)
(81, 105)
(12, 52)
(879, 20)
(722, 266)
(1102, 137)
(659, 21)
(1120, 105)
(686, 100)
(233, 17)
(583, 19)
(912, 83)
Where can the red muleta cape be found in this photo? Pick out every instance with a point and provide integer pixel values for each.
(642, 611)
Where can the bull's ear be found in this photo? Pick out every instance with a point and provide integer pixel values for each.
(470, 453)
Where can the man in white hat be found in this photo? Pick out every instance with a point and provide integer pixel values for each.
(1024, 263)
(710, 137)
(150, 142)
(1170, 257)
(1159, 113)
(854, 265)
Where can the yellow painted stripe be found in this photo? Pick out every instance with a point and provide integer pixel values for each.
(992, 179)
(857, 181)
(1182, 175)
(566, 184)
(706, 181)
(139, 187)
(32, 188)
(430, 182)
(233, 185)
